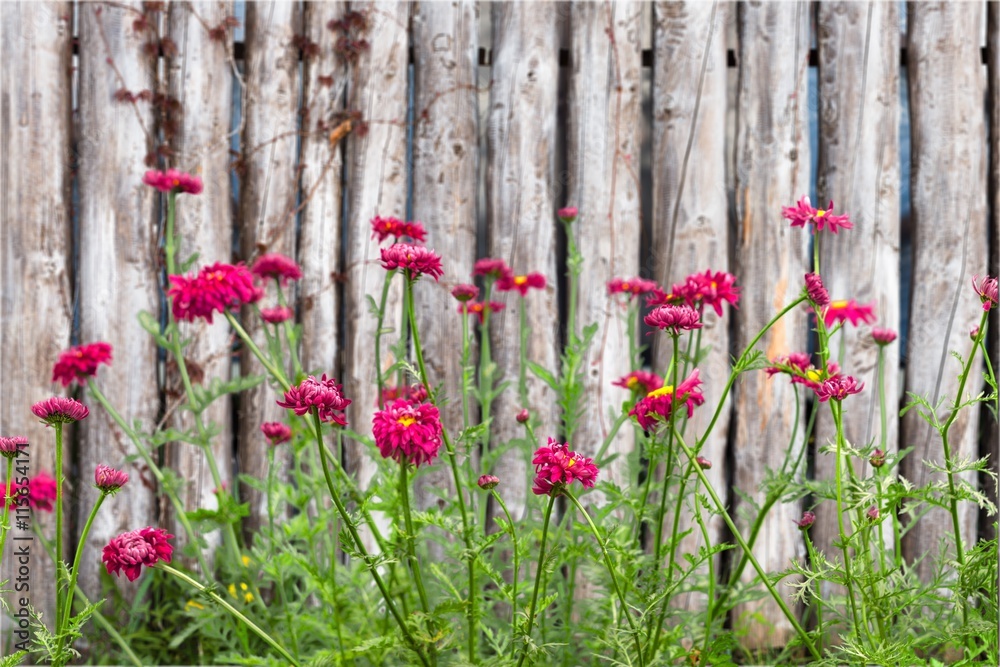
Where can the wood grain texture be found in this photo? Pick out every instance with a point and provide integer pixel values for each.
(445, 161)
(690, 207)
(521, 209)
(266, 214)
(772, 169)
(36, 298)
(377, 179)
(859, 171)
(118, 269)
(987, 526)
(204, 222)
(948, 177)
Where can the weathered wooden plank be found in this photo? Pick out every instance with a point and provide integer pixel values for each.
(376, 186)
(986, 526)
(772, 169)
(36, 309)
(859, 171)
(948, 138)
(445, 161)
(521, 208)
(118, 265)
(690, 206)
(197, 74)
(267, 205)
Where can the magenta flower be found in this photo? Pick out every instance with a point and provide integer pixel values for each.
(415, 259)
(974, 333)
(407, 431)
(11, 446)
(465, 292)
(60, 410)
(108, 479)
(277, 266)
(216, 288)
(987, 291)
(487, 482)
(713, 289)
(800, 369)
(807, 520)
(632, 286)
(172, 180)
(680, 294)
(656, 407)
(523, 416)
(841, 311)
(521, 283)
(40, 492)
(383, 228)
(641, 381)
(567, 214)
(130, 551)
(803, 213)
(703, 463)
(883, 336)
(674, 318)
(416, 393)
(556, 467)
(838, 388)
(491, 268)
(324, 395)
(817, 293)
(479, 309)
(276, 315)
(873, 514)
(276, 432)
(79, 363)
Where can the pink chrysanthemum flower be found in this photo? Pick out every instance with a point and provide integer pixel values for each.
(213, 289)
(108, 479)
(556, 467)
(415, 259)
(816, 291)
(800, 369)
(849, 311)
(838, 388)
(807, 520)
(656, 406)
(674, 318)
(713, 289)
(407, 431)
(487, 482)
(276, 432)
(640, 381)
(491, 268)
(383, 228)
(172, 180)
(40, 492)
(464, 292)
(130, 551)
(883, 336)
(479, 309)
(632, 286)
(567, 214)
(521, 283)
(60, 410)
(987, 291)
(416, 393)
(324, 394)
(277, 315)
(803, 213)
(277, 266)
(523, 416)
(79, 363)
(11, 446)
(678, 295)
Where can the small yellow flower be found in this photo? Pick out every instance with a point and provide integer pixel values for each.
(193, 604)
(246, 561)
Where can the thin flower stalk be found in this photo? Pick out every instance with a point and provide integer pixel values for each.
(514, 566)
(5, 523)
(60, 565)
(380, 379)
(711, 570)
(411, 548)
(817, 600)
(524, 336)
(290, 335)
(836, 408)
(486, 367)
(75, 570)
(538, 577)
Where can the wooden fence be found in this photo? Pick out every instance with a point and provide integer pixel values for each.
(678, 129)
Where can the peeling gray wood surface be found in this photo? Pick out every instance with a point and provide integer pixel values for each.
(986, 528)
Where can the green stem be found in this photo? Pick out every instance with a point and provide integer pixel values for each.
(290, 335)
(573, 266)
(486, 369)
(814, 561)
(513, 595)
(835, 409)
(59, 527)
(465, 366)
(75, 571)
(711, 573)
(538, 578)
(5, 524)
(525, 335)
(411, 549)
(270, 488)
(378, 334)
(275, 372)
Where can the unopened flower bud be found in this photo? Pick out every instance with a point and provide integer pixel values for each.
(465, 292)
(523, 416)
(807, 520)
(974, 332)
(704, 463)
(873, 514)
(878, 458)
(109, 480)
(568, 214)
(10, 446)
(487, 482)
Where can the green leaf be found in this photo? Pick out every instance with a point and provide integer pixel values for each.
(152, 327)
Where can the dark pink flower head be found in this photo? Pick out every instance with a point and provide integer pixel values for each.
(480, 309)
(40, 492)
(883, 336)
(556, 467)
(655, 407)
(487, 482)
(214, 289)
(108, 479)
(11, 446)
(521, 283)
(130, 551)
(567, 214)
(416, 260)
(987, 291)
(877, 459)
(276, 432)
(523, 416)
(803, 213)
(817, 293)
(679, 295)
(974, 333)
(408, 431)
(674, 318)
(172, 180)
(277, 266)
(632, 286)
(383, 228)
(703, 463)
(851, 311)
(640, 381)
(807, 520)
(465, 292)
(838, 388)
(713, 289)
(60, 410)
(79, 363)
(800, 369)
(324, 394)
(491, 268)
(276, 315)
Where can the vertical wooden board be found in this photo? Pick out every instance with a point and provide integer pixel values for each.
(859, 171)
(377, 173)
(987, 525)
(948, 138)
(772, 169)
(690, 210)
(321, 190)
(267, 209)
(445, 160)
(118, 268)
(36, 309)
(521, 209)
(199, 75)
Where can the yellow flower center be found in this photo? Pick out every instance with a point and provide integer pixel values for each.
(406, 421)
(625, 286)
(714, 285)
(632, 382)
(571, 462)
(665, 390)
(820, 213)
(176, 182)
(520, 280)
(815, 375)
(837, 305)
(216, 275)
